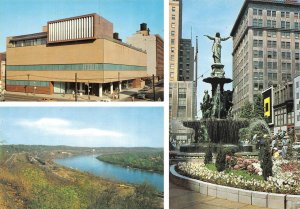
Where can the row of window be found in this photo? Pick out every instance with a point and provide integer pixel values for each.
(103, 66)
(274, 34)
(272, 65)
(272, 24)
(259, 76)
(30, 42)
(27, 83)
(272, 13)
(273, 44)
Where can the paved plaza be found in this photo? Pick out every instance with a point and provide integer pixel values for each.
(181, 198)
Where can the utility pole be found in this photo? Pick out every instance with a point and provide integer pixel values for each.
(75, 87)
(153, 87)
(196, 72)
(27, 84)
(88, 90)
(196, 60)
(119, 85)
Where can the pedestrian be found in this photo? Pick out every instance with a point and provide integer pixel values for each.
(274, 142)
(132, 98)
(285, 142)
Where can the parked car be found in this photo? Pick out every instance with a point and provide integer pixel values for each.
(104, 100)
(141, 96)
(146, 88)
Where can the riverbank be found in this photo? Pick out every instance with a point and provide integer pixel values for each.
(148, 161)
(114, 172)
(30, 181)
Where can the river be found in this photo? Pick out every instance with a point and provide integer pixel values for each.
(114, 172)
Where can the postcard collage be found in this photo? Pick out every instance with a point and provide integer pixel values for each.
(149, 104)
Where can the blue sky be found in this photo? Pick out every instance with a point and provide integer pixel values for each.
(19, 17)
(83, 126)
(207, 17)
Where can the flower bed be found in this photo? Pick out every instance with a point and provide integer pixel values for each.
(281, 182)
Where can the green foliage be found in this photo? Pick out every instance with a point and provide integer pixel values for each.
(261, 153)
(245, 174)
(246, 110)
(253, 110)
(143, 197)
(52, 197)
(142, 160)
(245, 133)
(221, 160)
(208, 155)
(106, 199)
(258, 106)
(38, 186)
(267, 163)
(211, 167)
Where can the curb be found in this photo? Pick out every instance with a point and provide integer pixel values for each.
(261, 199)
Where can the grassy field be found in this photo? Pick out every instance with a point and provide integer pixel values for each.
(28, 180)
(151, 161)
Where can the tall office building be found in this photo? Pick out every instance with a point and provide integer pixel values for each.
(186, 60)
(183, 90)
(296, 97)
(153, 45)
(182, 98)
(265, 47)
(175, 22)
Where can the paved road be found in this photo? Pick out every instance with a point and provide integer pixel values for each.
(20, 97)
(25, 98)
(181, 198)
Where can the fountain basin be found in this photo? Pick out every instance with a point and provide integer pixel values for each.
(202, 147)
(220, 131)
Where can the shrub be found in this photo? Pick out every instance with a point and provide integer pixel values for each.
(208, 155)
(221, 160)
(266, 163)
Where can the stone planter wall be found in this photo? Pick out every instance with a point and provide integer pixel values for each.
(262, 199)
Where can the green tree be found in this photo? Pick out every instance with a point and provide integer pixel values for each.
(258, 106)
(246, 110)
(221, 160)
(253, 110)
(208, 155)
(267, 163)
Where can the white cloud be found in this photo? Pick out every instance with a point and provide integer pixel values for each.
(63, 127)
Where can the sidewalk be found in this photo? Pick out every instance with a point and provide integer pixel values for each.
(181, 198)
(125, 94)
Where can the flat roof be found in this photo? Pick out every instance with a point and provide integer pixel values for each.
(71, 18)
